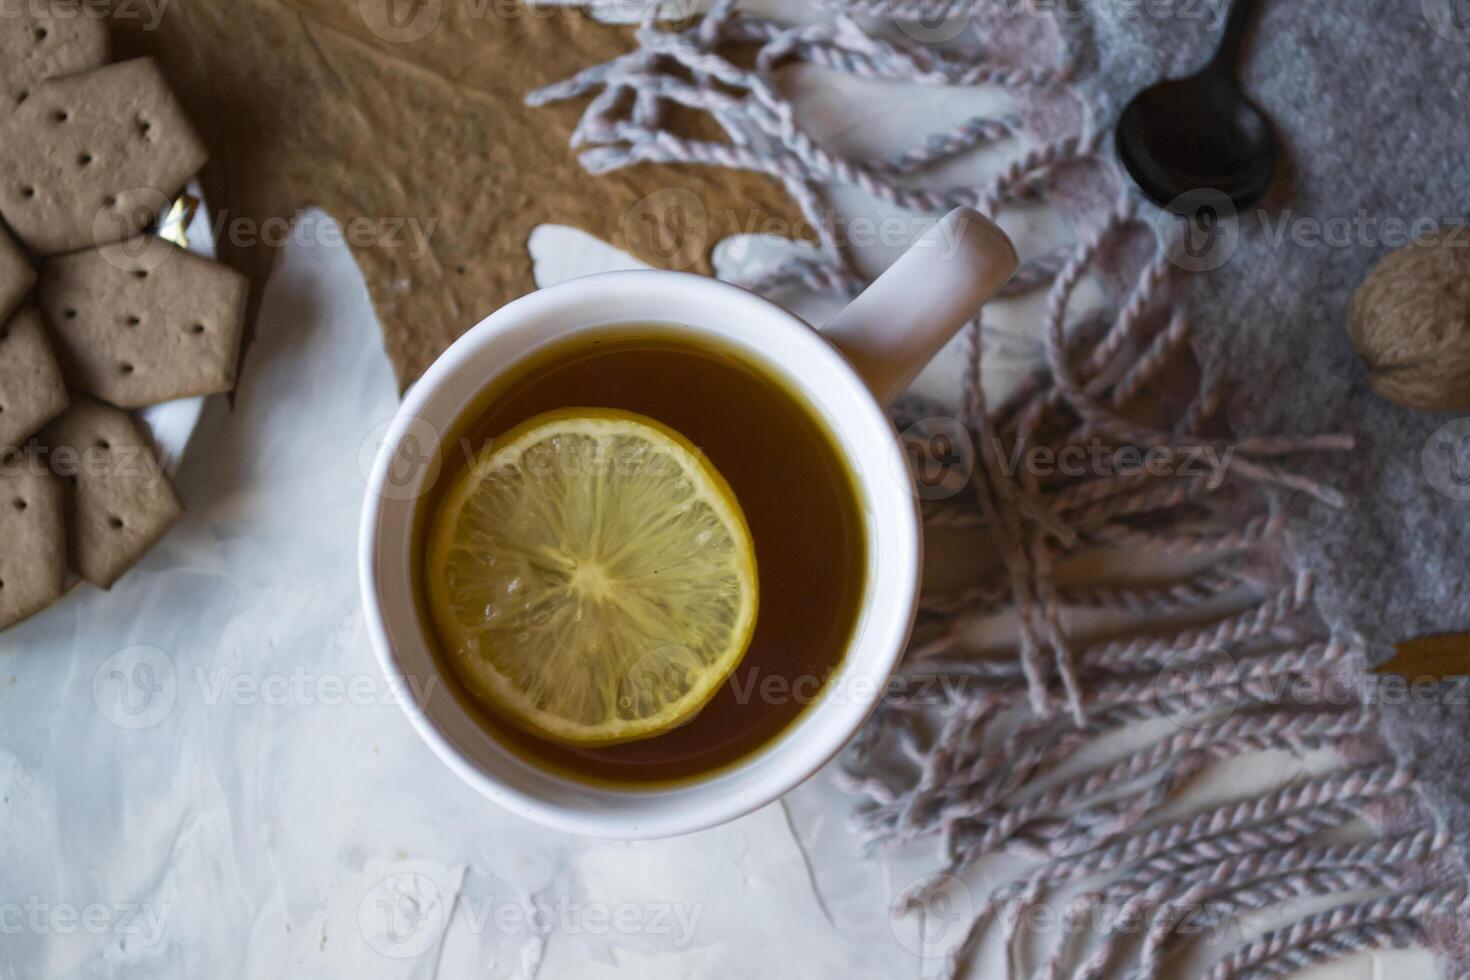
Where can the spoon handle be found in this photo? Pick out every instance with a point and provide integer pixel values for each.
(1227, 52)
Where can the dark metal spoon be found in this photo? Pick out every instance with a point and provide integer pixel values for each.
(1202, 131)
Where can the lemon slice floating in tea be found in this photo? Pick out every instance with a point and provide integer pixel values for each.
(593, 576)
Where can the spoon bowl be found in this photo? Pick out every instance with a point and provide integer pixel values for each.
(1200, 132)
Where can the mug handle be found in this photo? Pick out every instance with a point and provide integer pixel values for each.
(901, 321)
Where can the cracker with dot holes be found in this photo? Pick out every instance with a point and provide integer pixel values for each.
(120, 502)
(33, 559)
(31, 390)
(40, 40)
(94, 158)
(16, 275)
(143, 321)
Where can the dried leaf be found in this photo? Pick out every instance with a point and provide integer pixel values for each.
(1447, 655)
(423, 149)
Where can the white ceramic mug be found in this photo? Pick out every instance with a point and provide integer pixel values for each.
(847, 374)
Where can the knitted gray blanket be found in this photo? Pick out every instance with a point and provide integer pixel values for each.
(1370, 104)
(1326, 539)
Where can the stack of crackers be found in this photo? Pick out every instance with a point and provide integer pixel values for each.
(97, 317)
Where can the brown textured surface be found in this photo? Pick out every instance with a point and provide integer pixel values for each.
(142, 321)
(33, 560)
(119, 501)
(1410, 320)
(16, 274)
(301, 104)
(94, 158)
(31, 390)
(41, 40)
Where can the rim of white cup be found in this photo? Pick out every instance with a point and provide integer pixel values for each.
(819, 731)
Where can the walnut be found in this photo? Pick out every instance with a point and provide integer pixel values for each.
(1410, 320)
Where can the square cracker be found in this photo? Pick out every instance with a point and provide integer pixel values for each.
(46, 40)
(16, 275)
(94, 158)
(121, 502)
(143, 321)
(31, 390)
(32, 525)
